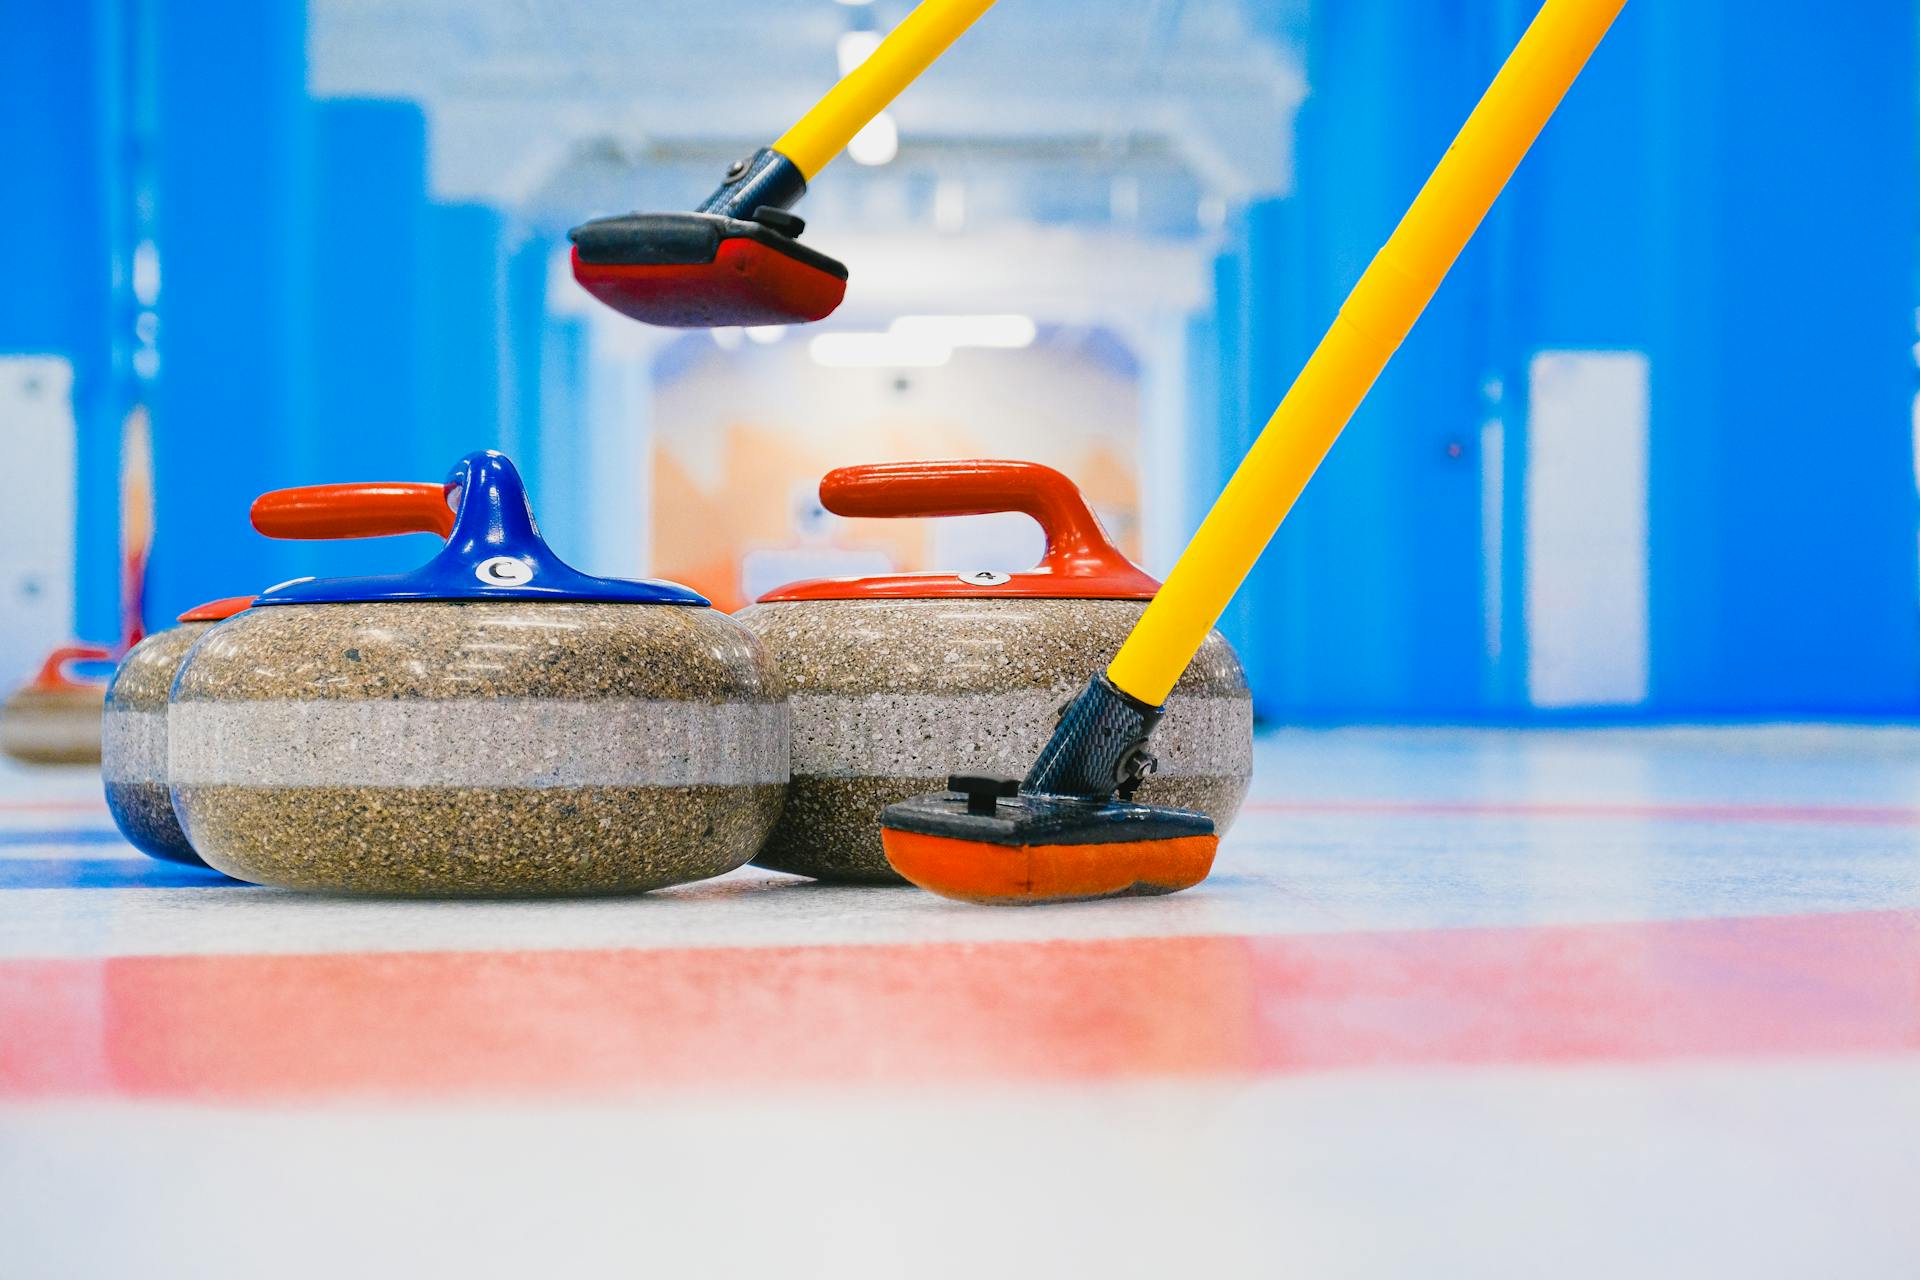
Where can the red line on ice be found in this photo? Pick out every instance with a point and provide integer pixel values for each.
(586, 1023)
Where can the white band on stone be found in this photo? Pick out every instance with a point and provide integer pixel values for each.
(934, 734)
(519, 743)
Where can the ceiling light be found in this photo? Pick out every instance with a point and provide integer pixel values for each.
(1006, 331)
(766, 334)
(853, 48)
(877, 351)
(146, 273)
(876, 144)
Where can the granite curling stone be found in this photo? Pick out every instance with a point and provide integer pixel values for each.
(133, 740)
(54, 718)
(492, 724)
(897, 682)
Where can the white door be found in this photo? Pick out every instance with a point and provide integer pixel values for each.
(36, 511)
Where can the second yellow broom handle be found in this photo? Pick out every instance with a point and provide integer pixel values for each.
(864, 92)
(1376, 318)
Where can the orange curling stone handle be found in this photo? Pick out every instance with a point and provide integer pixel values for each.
(217, 610)
(353, 511)
(1080, 561)
(55, 673)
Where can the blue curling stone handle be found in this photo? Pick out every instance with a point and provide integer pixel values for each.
(494, 553)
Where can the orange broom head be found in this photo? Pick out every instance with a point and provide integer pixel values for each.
(986, 841)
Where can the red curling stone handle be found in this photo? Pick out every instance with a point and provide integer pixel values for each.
(54, 673)
(1076, 545)
(353, 511)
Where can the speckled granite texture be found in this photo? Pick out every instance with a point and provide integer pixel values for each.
(61, 726)
(481, 748)
(890, 696)
(478, 841)
(133, 744)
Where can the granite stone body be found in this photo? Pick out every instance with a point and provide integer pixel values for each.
(133, 744)
(487, 748)
(52, 726)
(890, 696)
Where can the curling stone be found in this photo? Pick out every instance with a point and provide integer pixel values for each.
(133, 738)
(898, 682)
(494, 723)
(54, 718)
(133, 745)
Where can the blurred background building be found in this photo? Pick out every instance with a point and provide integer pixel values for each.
(1650, 454)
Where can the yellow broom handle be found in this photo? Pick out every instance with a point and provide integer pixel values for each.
(1377, 316)
(864, 92)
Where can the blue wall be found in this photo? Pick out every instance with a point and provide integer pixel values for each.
(69, 144)
(319, 318)
(1783, 501)
(1729, 190)
(234, 222)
